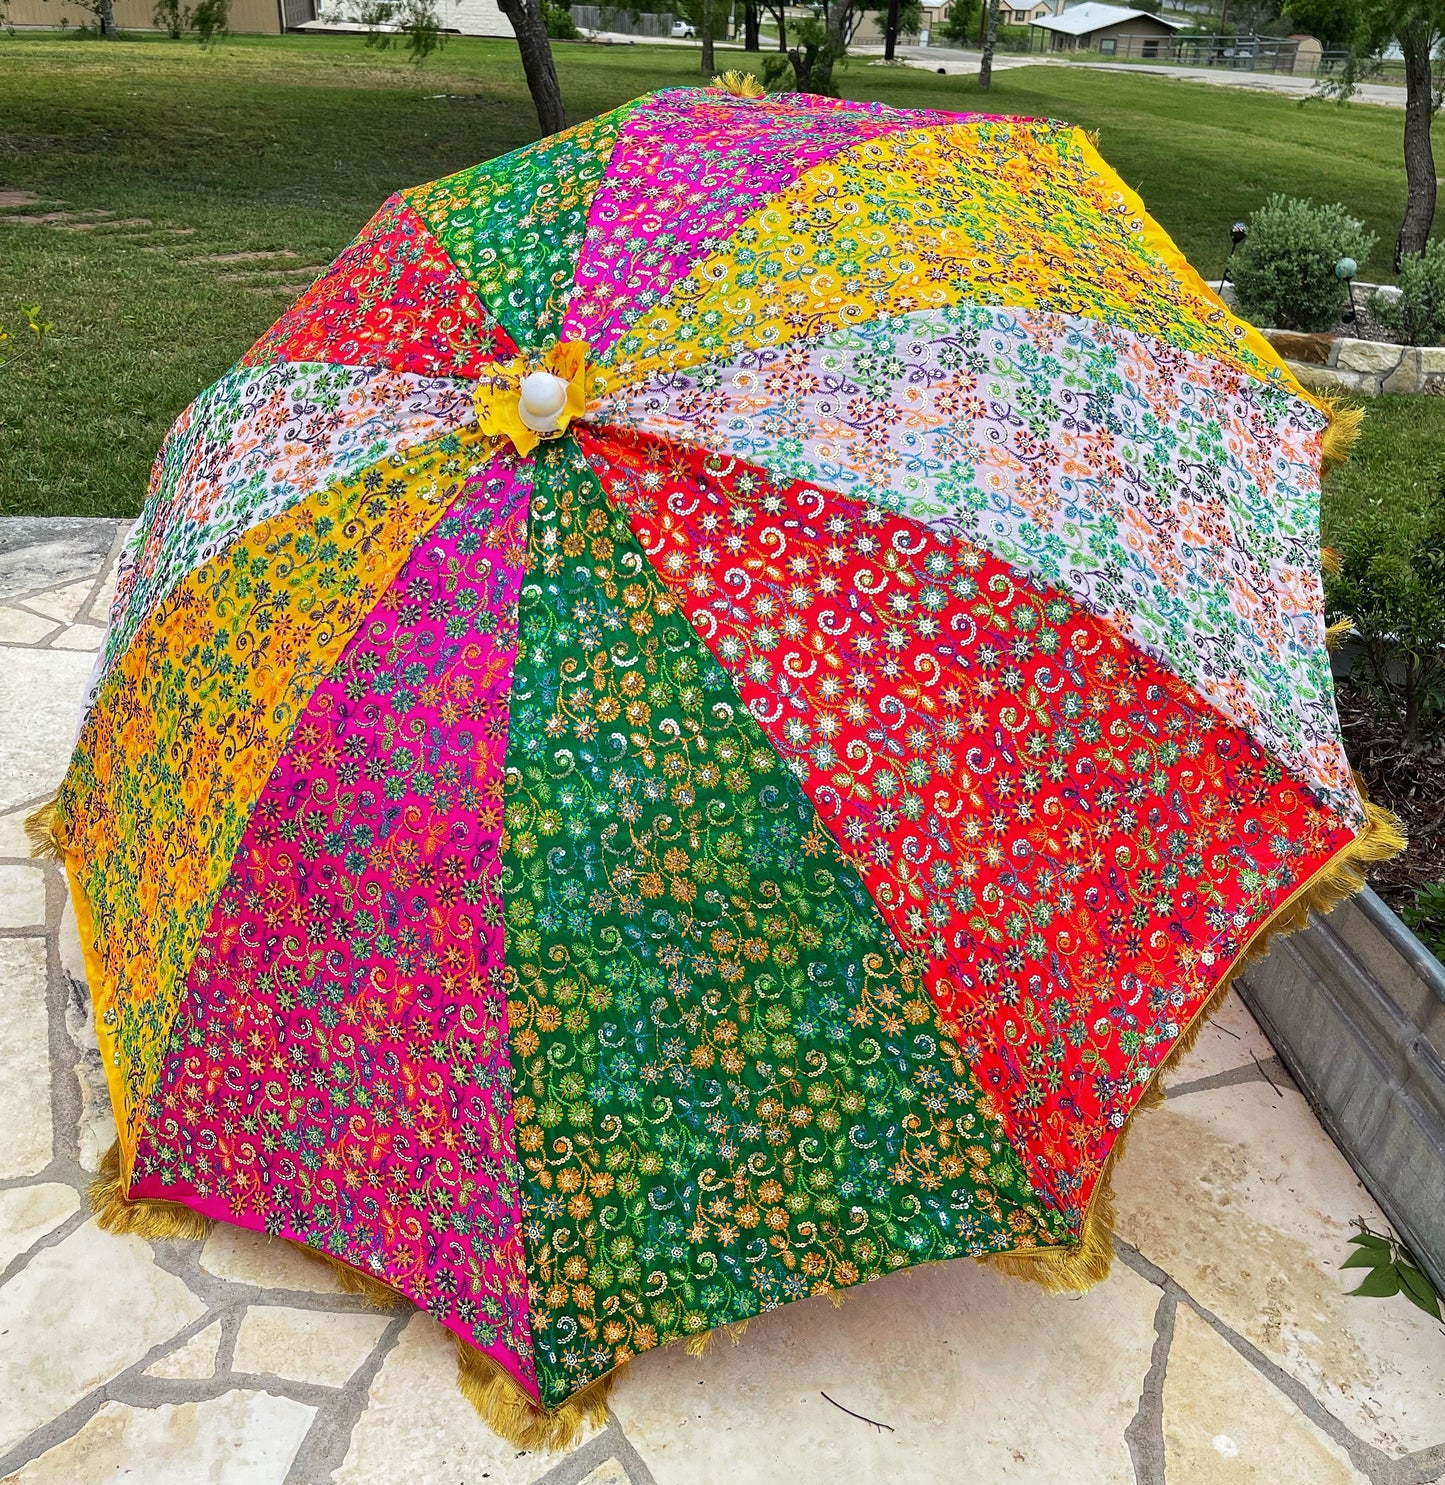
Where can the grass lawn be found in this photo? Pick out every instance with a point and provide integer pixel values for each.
(286, 146)
(1399, 461)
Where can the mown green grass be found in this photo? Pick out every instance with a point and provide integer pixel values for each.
(263, 144)
(1398, 464)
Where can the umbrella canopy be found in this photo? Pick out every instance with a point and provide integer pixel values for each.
(695, 725)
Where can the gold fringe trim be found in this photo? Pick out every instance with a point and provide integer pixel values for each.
(147, 1217)
(739, 84)
(697, 1344)
(1341, 434)
(377, 1294)
(1083, 1264)
(1330, 561)
(1336, 634)
(41, 833)
(509, 1412)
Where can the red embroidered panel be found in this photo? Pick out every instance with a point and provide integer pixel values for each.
(1072, 843)
(393, 298)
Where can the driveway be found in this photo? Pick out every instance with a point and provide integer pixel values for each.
(932, 58)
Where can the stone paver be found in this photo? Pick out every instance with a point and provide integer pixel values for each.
(306, 1345)
(1223, 1349)
(25, 1132)
(243, 1438)
(194, 1360)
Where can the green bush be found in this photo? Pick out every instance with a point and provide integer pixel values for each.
(1013, 38)
(807, 66)
(1284, 275)
(207, 18)
(960, 23)
(560, 26)
(1418, 315)
(1391, 584)
(1426, 915)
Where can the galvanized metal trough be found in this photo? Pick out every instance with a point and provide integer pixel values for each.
(1355, 1007)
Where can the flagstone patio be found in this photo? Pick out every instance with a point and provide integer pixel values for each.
(1223, 1349)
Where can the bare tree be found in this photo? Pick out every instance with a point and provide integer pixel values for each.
(709, 61)
(990, 39)
(530, 25)
(1419, 40)
(1417, 27)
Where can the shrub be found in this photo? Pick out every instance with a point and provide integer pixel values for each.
(1391, 583)
(208, 19)
(560, 26)
(1284, 275)
(807, 66)
(959, 22)
(1426, 915)
(1418, 315)
(170, 18)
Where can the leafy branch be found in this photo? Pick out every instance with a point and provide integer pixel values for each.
(1393, 1269)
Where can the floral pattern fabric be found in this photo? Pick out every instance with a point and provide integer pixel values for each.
(515, 226)
(258, 441)
(761, 838)
(682, 178)
(1013, 212)
(394, 299)
(190, 721)
(1171, 495)
(338, 1071)
(730, 1090)
(1022, 791)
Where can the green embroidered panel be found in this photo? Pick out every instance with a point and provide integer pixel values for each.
(729, 1087)
(515, 226)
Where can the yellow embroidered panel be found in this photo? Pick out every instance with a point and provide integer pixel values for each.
(1010, 213)
(191, 720)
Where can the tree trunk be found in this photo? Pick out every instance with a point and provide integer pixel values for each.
(990, 36)
(751, 30)
(839, 12)
(890, 33)
(537, 63)
(105, 16)
(1419, 157)
(709, 61)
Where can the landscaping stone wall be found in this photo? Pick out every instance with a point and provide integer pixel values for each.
(1361, 368)
(1358, 368)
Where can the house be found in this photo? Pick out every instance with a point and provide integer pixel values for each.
(257, 17)
(1026, 15)
(463, 17)
(1011, 13)
(1109, 29)
(268, 17)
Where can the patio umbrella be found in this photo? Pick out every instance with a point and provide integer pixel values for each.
(696, 724)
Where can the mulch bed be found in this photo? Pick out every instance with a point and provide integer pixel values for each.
(1411, 783)
(1364, 326)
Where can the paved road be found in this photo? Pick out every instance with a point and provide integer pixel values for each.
(934, 57)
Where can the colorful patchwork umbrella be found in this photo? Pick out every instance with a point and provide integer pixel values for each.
(696, 724)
